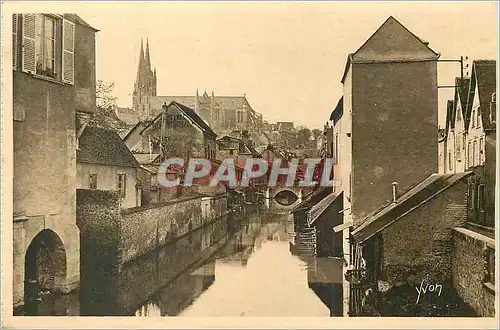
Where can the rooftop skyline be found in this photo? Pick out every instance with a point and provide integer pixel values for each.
(287, 58)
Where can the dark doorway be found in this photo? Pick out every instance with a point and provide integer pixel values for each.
(44, 269)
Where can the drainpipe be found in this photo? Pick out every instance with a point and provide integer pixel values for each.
(394, 192)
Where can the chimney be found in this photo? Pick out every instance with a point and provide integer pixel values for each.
(394, 192)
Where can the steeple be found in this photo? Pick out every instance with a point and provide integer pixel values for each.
(147, 59)
(145, 84)
(140, 67)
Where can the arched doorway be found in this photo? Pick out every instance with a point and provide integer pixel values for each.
(44, 268)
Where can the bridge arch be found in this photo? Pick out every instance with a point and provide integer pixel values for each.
(286, 197)
(45, 265)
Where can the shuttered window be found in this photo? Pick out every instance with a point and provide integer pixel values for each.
(68, 52)
(15, 28)
(48, 46)
(29, 44)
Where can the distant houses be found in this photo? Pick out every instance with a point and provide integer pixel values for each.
(176, 131)
(105, 163)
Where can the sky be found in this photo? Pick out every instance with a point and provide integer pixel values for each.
(286, 57)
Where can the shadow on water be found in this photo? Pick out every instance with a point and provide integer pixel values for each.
(165, 282)
(324, 274)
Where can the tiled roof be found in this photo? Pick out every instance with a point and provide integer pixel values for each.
(416, 196)
(104, 147)
(486, 82)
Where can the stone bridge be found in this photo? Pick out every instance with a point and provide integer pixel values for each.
(285, 198)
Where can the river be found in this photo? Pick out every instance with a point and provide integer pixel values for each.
(255, 263)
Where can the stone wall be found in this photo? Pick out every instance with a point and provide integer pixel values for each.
(135, 231)
(145, 228)
(420, 244)
(469, 270)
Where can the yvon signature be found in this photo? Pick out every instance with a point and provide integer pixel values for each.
(428, 288)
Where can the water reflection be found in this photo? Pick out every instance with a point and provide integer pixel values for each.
(255, 263)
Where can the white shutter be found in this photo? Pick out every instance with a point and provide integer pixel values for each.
(14, 41)
(29, 47)
(68, 52)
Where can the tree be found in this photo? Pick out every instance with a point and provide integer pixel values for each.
(316, 133)
(104, 95)
(105, 115)
(303, 135)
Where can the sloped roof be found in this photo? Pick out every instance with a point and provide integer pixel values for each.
(157, 102)
(317, 210)
(188, 113)
(310, 200)
(486, 77)
(194, 117)
(450, 115)
(338, 111)
(140, 125)
(145, 159)
(392, 41)
(415, 197)
(391, 20)
(104, 147)
(462, 91)
(77, 19)
(225, 102)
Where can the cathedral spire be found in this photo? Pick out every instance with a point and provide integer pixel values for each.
(140, 67)
(147, 59)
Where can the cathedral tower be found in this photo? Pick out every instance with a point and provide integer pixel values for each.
(145, 84)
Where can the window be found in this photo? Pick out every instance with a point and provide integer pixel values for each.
(478, 117)
(458, 148)
(45, 46)
(122, 182)
(336, 160)
(473, 121)
(480, 198)
(48, 46)
(450, 162)
(469, 154)
(481, 151)
(474, 153)
(471, 196)
(93, 181)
